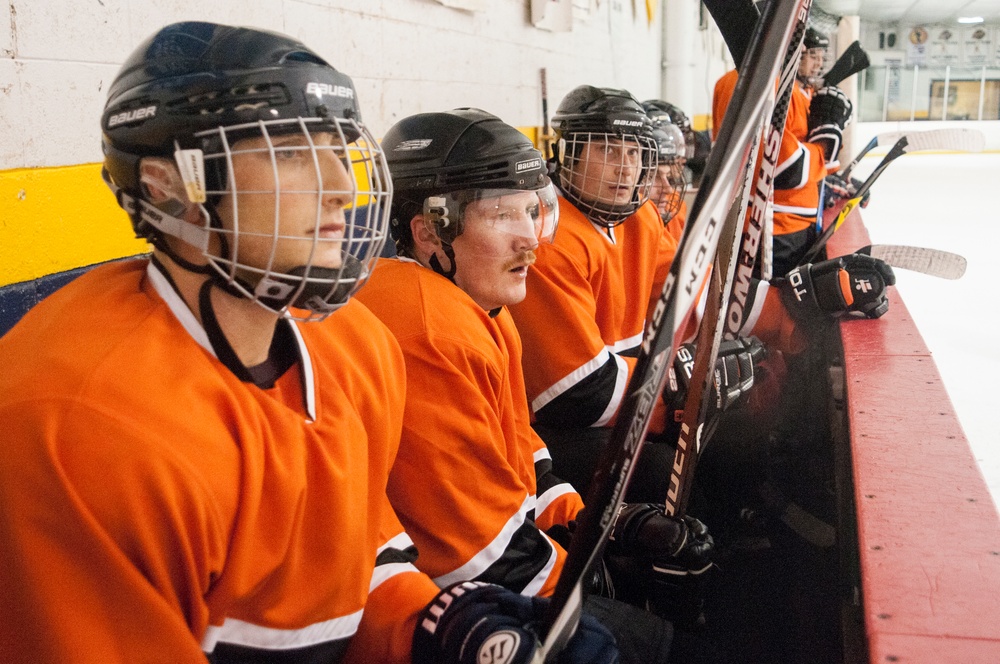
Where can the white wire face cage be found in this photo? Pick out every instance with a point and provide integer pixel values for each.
(607, 176)
(304, 212)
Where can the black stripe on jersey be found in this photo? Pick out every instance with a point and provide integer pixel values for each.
(329, 652)
(544, 479)
(791, 177)
(526, 555)
(584, 403)
(389, 556)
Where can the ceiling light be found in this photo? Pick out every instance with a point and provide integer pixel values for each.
(970, 19)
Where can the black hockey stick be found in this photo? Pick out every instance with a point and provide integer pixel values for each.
(546, 138)
(673, 311)
(933, 262)
(736, 20)
(695, 429)
(962, 140)
(896, 150)
(851, 61)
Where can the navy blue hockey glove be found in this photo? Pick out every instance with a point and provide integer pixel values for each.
(854, 284)
(837, 188)
(471, 622)
(735, 366)
(829, 112)
(674, 554)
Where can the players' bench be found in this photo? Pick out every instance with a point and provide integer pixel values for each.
(17, 299)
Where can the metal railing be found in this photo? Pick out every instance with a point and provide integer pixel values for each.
(895, 92)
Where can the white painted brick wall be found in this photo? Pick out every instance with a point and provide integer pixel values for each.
(58, 57)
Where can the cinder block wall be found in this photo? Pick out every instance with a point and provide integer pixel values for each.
(58, 57)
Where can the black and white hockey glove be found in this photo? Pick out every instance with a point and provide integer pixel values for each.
(471, 622)
(854, 284)
(829, 112)
(735, 366)
(673, 554)
(837, 188)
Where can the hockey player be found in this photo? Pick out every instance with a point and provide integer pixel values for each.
(583, 316)
(810, 143)
(669, 181)
(190, 470)
(472, 482)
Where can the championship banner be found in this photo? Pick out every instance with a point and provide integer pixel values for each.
(977, 46)
(916, 46)
(945, 48)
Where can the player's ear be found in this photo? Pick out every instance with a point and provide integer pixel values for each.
(424, 236)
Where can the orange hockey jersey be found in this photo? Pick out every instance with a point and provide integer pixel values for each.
(158, 509)
(801, 165)
(582, 320)
(464, 482)
(675, 225)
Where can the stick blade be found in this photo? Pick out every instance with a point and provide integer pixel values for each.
(952, 140)
(935, 262)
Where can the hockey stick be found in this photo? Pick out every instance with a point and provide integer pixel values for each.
(694, 430)
(959, 140)
(673, 311)
(851, 61)
(546, 138)
(970, 140)
(935, 262)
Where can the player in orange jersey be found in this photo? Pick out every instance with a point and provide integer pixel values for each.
(809, 148)
(669, 182)
(584, 313)
(190, 471)
(473, 482)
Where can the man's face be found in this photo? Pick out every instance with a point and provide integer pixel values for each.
(607, 171)
(289, 211)
(811, 63)
(664, 190)
(496, 248)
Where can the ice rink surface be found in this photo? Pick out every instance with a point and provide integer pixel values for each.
(951, 202)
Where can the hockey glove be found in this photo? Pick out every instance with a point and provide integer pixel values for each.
(674, 554)
(829, 112)
(471, 622)
(735, 365)
(838, 188)
(851, 284)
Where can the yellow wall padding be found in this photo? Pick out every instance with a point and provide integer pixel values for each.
(55, 219)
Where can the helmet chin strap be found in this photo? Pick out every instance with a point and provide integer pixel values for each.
(317, 289)
(436, 264)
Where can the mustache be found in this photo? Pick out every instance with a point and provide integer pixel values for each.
(526, 257)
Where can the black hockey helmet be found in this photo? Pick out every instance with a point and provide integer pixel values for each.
(590, 113)
(670, 166)
(678, 117)
(815, 39)
(454, 156)
(193, 76)
(189, 94)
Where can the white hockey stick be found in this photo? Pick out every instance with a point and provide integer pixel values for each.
(958, 140)
(935, 262)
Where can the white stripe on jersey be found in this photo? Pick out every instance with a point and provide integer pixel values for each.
(493, 551)
(247, 634)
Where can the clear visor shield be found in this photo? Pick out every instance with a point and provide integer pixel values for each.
(302, 211)
(495, 222)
